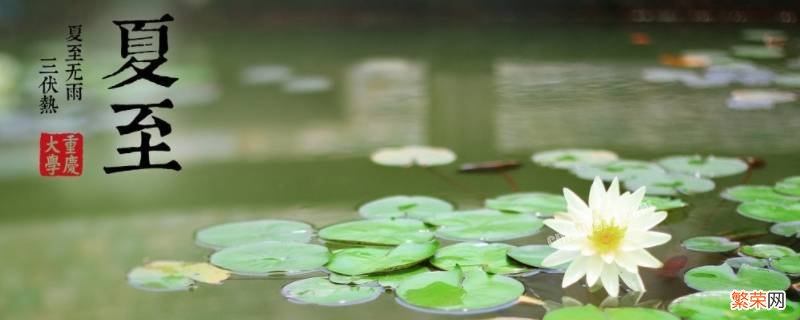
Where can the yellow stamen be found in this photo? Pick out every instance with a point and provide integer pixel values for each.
(606, 237)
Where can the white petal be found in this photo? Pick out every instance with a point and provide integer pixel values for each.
(610, 279)
(637, 197)
(648, 221)
(597, 194)
(608, 257)
(574, 272)
(632, 280)
(574, 203)
(626, 261)
(594, 266)
(645, 259)
(652, 239)
(559, 257)
(574, 243)
(613, 190)
(562, 226)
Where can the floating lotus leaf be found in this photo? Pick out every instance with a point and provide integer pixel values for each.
(770, 212)
(378, 232)
(622, 169)
(669, 184)
(789, 186)
(417, 207)
(707, 167)
(787, 264)
(541, 203)
(533, 255)
(387, 280)
(568, 158)
(156, 279)
(590, 312)
(722, 277)
(422, 156)
(357, 261)
(485, 225)
(662, 203)
(710, 244)
(738, 262)
(757, 52)
(715, 305)
(765, 251)
(271, 257)
(175, 275)
(320, 291)
(751, 193)
(491, 257)
(454, 292)
(786, 229)
(236, 233)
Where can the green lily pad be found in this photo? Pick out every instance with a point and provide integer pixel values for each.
(751, 193)
(491, 257)
(152, 279)
(357, 261)
(622, 169)
(590, 312)
(175, 275)
(670, 184)
(236, 233)
(378, 232)
(320, 291)
(484, 225)
(416, 207)
(568, 158)
(757, 52)
(786, 229)
(662, 203)
(787, 264)
(714, 305)
(766, 251)
(533, 255)
(271, 257)
(407, 156)
(722, 277)
(454, 292)
(738, 262)
(770, 212)
(789, 186)
(387, 280)
(540, 203)
(707, 167)
(710, 244)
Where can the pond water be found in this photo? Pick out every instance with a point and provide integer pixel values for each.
(254, 146)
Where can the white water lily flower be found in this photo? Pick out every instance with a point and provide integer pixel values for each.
(606, 239)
